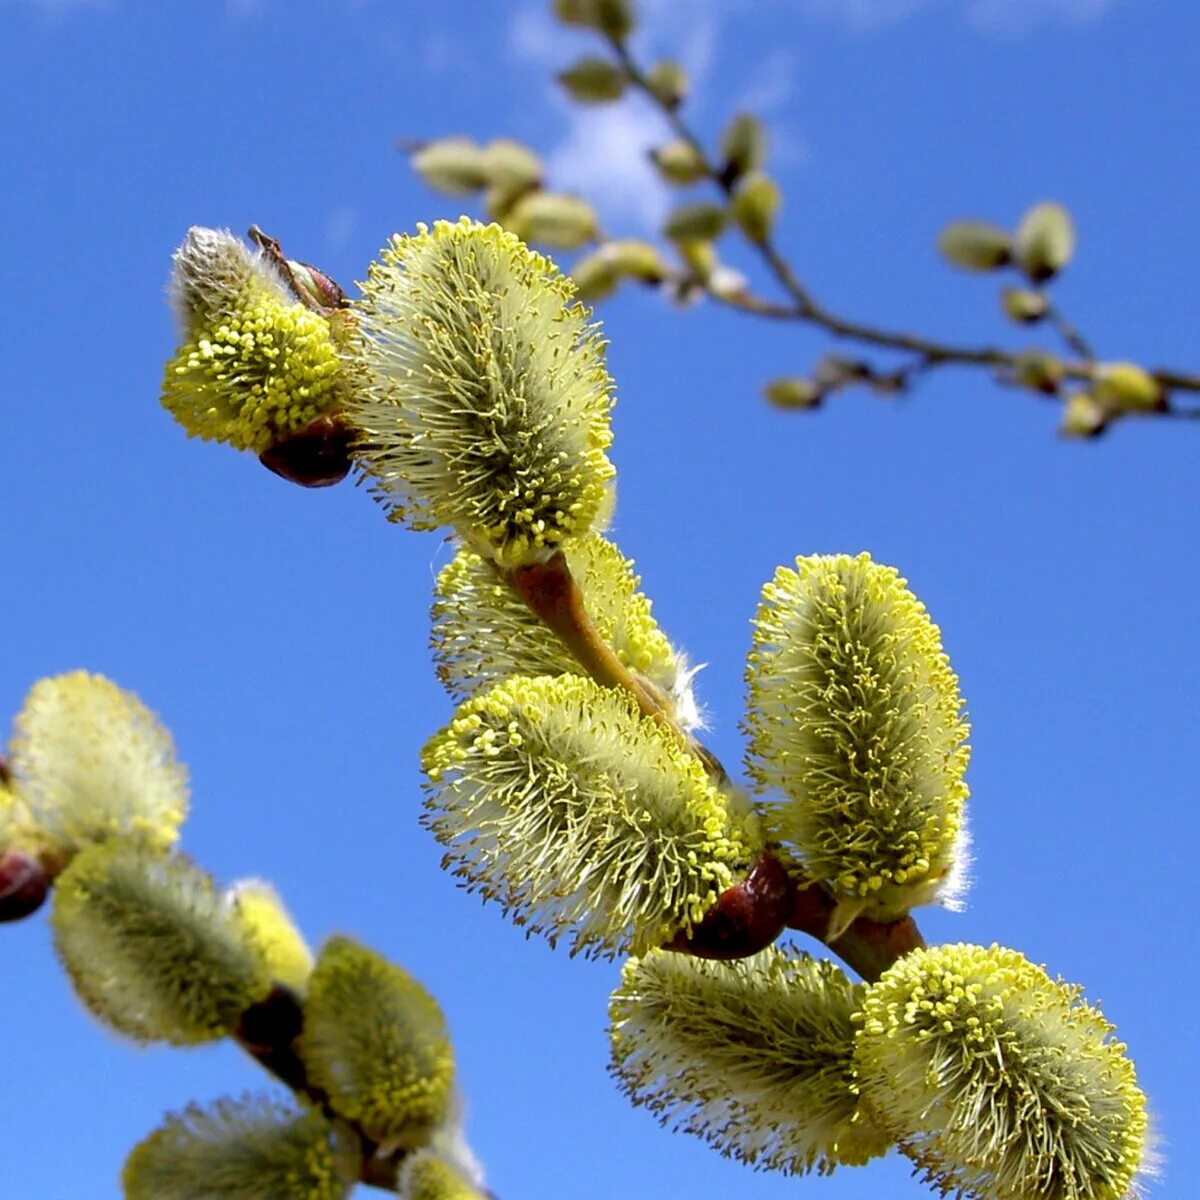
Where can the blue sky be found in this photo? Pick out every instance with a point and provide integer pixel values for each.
(281, 634)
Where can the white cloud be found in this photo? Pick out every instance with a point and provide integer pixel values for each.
(1014, 16)
(604, 157)
(602, 153)
(339, 228)
(59, 6)
(1005, 16)
(865, 14)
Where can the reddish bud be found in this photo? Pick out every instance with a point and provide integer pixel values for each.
(23, 885)
(316, 456)
(746, 918)
(272, 1023)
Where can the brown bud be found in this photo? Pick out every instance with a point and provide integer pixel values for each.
(316, 456)
(23, 885)
(314, 288)
(1038, 371)
(272, 1023)
(746, 918)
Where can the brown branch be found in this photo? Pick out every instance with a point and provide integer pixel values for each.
(802, 306)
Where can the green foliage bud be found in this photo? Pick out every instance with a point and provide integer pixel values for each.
(553, 219)
(376, 1043)
(700, 257)
(593, 80)
(559, 799)
(151, 948)
(755, 1056)
(511, 164)
(1039, 371)
(483, 631)
(998, 1081)
(669, 83)
(1023, 305)
(91, 763)
(855, 714)
(426, 1175)
(254, 363)
(699, 221)
(486, 404)
(1044, 241)
(755, 205)
(500, 199)
(1123, 387)
(679, 162)
(1083, 416)
(633, 259)
(455, 166)
(611, 17)
(253, 1148)
(284, 950)
(743, 146)
(793, 392)
(594, 277)
(975, 245)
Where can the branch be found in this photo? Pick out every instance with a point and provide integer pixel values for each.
(802, 306)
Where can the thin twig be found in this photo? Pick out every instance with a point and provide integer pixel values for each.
(802, 305)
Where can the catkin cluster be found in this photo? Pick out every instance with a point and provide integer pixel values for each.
(570, 788)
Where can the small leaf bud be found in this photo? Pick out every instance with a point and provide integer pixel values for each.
(314, 288)
(701, 257)
(755, 1056)
(743, 146)
(23, 885)
(1083, 416)
(455, 166)
(1044, 241)
(1023, 305)
(1125, 387)
(511, 164)
(553, 219)
(755, 205)
(700, 221)
(500, 198)
(632, 259)
(594, 277)
(376, 1043)
(679, 162)
(975, 245)
(317, 455)
(669, 83)
(593, 80)
(1038, 371)
(611, 17)
(793, 392)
